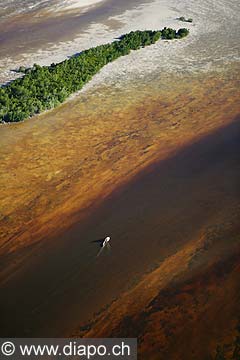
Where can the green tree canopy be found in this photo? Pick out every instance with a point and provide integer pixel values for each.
(45, 87)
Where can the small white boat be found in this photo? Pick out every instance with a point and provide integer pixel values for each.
(106, 241)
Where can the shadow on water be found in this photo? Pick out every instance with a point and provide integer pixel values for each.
(99, 241)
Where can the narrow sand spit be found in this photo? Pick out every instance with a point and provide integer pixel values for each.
(34, 7)
(76, 4)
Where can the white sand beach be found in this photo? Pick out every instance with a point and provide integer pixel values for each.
(76, 4)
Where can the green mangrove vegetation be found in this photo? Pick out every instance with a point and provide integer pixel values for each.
(45, 87)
